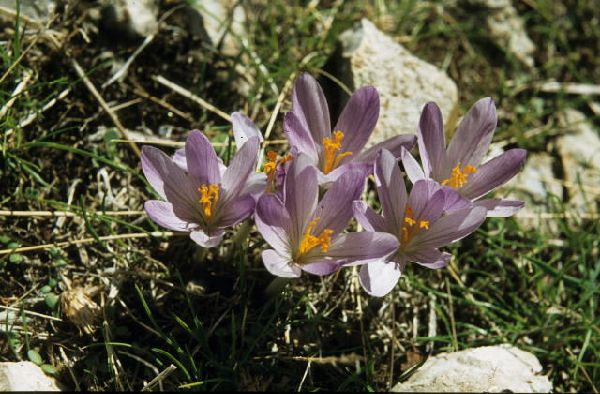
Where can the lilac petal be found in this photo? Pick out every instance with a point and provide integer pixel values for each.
(179, 159)
(412, 168)
(474, 134)
(494, 173)
(202, 160)
(326, 180)
(362, 248)
(321, 268)
(310, 106)
(205, 240)
(367, 217)
(430, 258)
(170, 181)
(301, 194)
(426, 200)
(395, 145)
(432, 145)
(279, 265)
(380, 277)
(241, 166)
(273, 222)
(358, 119)
(335, 209)
(500, 208)
(244, 129)
(162, 214)
(256, 185)
(236, 211)
(454, 200)
(390, 189)
(299, 136)
(448, 229)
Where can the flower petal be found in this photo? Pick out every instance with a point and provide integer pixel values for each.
(454, 200)
(380, 277)
(299, 136)
(321, 268)
(205, 240)
(432, 145)
(394, 145)
(426, 200)
(361, 248)
(279, 265)
(170, 181)
(494, 173)
(390, 189)
(474, 134)
(244, 129)
(202, 160)
(236, 211)
(301, 194)
(500, 208)
(273, 222)
(430, 258)
(358, 119)
(161, 213)
(242, 165)
(411, 166)
(326, 180)
(367, 217)
(310, 106)
(179, 159)
(335, 209)
(448, 229)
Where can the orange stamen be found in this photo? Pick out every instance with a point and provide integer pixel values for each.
(408, 228)
(332, 156)
(270, 166)
(209, 195)
(310, 241)
(459, 178)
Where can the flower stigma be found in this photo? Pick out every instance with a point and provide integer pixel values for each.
(458, 178)
(270, 167)
(209, 195)
(410, 225)
(332, 146)
(310, 241)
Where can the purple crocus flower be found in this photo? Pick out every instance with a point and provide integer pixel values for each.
(417, 221)
(308, 128)
(205, 199)
(459, 165)
(305, 234)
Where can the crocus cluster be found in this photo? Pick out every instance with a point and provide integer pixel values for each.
(303, 201)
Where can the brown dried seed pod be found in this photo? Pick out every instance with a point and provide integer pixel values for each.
(80, 309)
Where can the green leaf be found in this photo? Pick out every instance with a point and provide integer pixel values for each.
(4, 239)
(51, 300)
(49, 369)
(45, 289)
(15, 258)
(35, 357)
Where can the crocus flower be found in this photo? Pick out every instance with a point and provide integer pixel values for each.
(417, 221)
(205, 199)
(459, 165)
(305, 234)
(243, 130)
(308, 128)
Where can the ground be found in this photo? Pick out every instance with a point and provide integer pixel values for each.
(112, 314)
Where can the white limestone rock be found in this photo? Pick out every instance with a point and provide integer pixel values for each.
(405, 82)
(494, 369)
(223, 21)
(25, 376)
(579, 151)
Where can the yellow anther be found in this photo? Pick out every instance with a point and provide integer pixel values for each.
(408, 228)
(310, 241)
(331, 147)
(209, 195)
(458, 178)
(270, 167)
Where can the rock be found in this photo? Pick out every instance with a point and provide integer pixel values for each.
(223, 21)
(502, 368)
(37, 11)
(506, 27)
(405, 82)
(579, 151)
(136, 18)
(25, 376)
